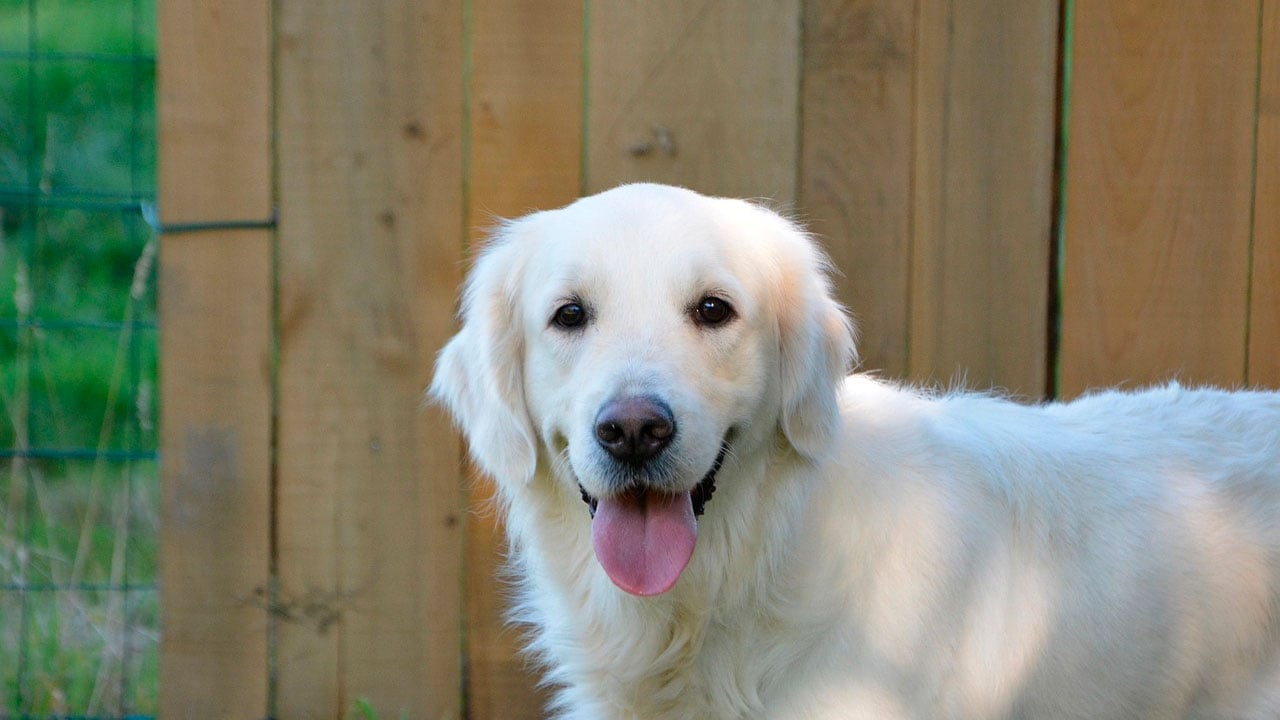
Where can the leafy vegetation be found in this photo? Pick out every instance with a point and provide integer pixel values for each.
(364, 711)
(78, 488)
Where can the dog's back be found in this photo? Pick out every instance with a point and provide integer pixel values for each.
(1118, 556)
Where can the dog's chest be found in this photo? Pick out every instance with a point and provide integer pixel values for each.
(718, 669)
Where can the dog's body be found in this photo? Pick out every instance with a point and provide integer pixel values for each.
(870, 551)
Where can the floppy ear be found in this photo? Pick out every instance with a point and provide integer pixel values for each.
(479, 373)
(817, 350)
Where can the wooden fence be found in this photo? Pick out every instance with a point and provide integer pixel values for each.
(318, 547)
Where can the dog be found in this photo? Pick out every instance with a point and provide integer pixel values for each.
(710, 517)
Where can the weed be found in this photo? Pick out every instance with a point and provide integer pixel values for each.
(364, 711)
(79, 613)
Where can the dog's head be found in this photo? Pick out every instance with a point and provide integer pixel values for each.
(629, 342)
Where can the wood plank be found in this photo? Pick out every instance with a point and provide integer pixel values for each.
(526, 115)
(1159, 171)
(369, 499)
(526, 139)
(855, 161)
(215, 152)
(214, 95)
(711, 87)
(983, 193)
(1264, 327)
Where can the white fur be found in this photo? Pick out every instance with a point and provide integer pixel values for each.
(872, 551)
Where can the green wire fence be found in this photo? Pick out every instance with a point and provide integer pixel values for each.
(79, 488)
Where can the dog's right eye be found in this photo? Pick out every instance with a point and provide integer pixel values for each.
(569, 316)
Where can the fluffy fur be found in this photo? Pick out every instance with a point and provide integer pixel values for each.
(872, 551)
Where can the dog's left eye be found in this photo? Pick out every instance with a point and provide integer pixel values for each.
(712, 311)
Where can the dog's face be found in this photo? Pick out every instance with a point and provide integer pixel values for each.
(641, 317)
(630, 342)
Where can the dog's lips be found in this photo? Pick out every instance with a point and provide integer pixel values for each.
(699, 496)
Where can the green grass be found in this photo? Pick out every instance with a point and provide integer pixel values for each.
(82, 133)
(78, 358)
(92, 649)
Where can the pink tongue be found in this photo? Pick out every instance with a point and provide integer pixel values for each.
(644, 541)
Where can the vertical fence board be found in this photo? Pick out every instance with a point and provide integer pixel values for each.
(214, 131)
(369, 500)
(526, 106)
(855, 164)
(718, 80)
(986, 90)
(1264, 327)
(1158, 181)
(525, 130)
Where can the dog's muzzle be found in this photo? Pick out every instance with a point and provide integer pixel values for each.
(700, 494)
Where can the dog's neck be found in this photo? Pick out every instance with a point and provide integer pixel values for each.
(567, 595)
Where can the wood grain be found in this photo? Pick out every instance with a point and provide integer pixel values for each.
(720, 78)
(214, 153)
(1264, 316)
(983, 193)
(214, 96)
(855, 161)
(525, 139)
(526, 107)
(1159, 168)
(369, 118)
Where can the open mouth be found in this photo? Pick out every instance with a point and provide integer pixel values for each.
(698, 497)
(644, 539)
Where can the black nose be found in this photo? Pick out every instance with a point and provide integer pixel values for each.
(635, 429)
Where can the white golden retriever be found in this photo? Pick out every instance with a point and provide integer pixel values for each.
(871, 551)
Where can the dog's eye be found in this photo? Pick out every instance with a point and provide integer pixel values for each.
(712, 311)
(569, 315)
